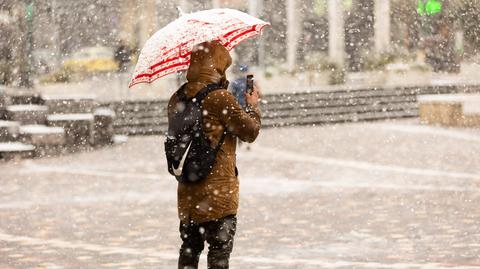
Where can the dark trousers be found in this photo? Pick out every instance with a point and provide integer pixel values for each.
(219, 235)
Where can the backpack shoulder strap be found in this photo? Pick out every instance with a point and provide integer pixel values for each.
(181, 93)
(199, 98)
(205, 91)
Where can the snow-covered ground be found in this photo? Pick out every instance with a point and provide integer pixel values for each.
(365, 195)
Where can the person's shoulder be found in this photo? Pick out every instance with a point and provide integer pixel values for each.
(220, 93)
(220, 96)
(173, 99)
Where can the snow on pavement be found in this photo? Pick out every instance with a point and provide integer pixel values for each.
(365, 195)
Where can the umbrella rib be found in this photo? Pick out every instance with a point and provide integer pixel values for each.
(242, 34)
(162, 69)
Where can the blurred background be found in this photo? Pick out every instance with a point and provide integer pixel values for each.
(318, 42)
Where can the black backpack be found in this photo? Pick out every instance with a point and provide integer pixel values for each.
(190, 157)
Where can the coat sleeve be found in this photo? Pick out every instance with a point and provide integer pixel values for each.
(244, 125)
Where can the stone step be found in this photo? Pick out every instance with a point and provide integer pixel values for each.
(272, 108)
(42, 135)
(142, 121)
(280, 102)
(141, 130)
(150, 117)
(146, 119)
(15, 150)
(149, 129)
(103, 131)
(299, 112)
(24, 97)
(78, 127)
(70, 104)
(9, 131)
(119, 108)
(27, 114)
(336, 102)
(335, 95)
(48, 141)
(349, 117)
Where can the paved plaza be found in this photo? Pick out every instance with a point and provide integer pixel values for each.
(365, 195)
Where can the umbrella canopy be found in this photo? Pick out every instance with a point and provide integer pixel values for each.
(168, 50)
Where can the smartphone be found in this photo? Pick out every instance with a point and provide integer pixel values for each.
(249, 84)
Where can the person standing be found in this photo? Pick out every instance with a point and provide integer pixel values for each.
(123, 56)
(208, 209)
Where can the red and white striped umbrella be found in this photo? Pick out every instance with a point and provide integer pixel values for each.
(168, 50)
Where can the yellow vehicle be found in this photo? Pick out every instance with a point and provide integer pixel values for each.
(92, 60)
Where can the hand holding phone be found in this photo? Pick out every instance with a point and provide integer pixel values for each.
(251, 94)
(249, 87)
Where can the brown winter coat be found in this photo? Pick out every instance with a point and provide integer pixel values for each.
(217, 196)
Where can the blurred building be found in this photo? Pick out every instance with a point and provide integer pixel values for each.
(346, 32)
